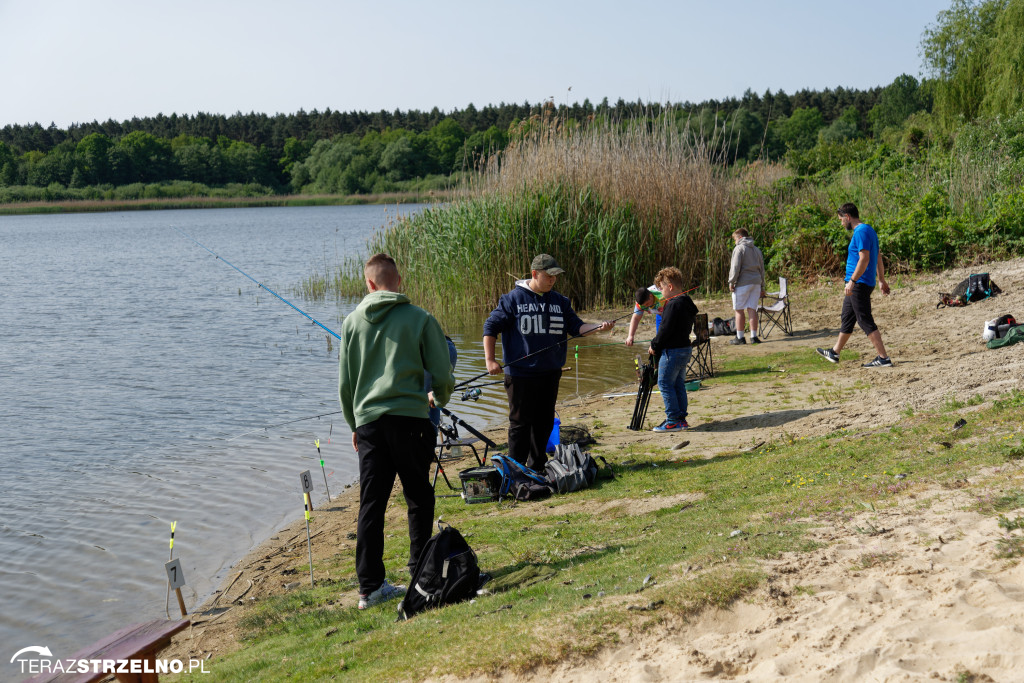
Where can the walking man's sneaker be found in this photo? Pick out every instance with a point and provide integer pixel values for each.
(668, 426)
(755, 340)
(386, 592)
(829, 355)
(737, 340)
(878, 362)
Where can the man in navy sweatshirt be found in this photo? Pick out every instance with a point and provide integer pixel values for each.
(534, 322)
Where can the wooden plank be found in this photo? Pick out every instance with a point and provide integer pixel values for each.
(140, 641)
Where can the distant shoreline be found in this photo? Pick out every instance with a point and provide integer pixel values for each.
(99, 205)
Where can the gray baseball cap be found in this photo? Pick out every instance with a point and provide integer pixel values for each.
(547, 263)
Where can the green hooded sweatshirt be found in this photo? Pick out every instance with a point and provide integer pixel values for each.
(386, 345)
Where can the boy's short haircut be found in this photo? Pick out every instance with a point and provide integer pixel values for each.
(742, 232)
(382, 270)
(672, 274)
(849, 209)
(641, 296)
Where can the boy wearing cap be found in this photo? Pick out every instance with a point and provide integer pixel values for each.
(534, 322)
(646, 299)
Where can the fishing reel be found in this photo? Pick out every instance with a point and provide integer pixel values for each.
(471, 394)
(450, 433)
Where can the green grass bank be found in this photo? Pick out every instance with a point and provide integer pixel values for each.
(673, 535)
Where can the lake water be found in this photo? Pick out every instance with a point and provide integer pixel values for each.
(134, 369)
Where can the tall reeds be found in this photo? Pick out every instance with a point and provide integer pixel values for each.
(613, 201)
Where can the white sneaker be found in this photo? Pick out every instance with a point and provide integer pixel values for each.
(386, 592)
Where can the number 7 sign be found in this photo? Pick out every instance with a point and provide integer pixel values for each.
(175, 576)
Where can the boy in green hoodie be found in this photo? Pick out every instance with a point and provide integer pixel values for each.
(386, 346)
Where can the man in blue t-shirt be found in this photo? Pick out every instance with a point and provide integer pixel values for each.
(534, 322)
(862, 264)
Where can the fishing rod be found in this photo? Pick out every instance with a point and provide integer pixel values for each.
(259, 284)
(282, 424)
(337, 336)
(469, 428)
(473, 393)
(548, 348)
(296, 308)
(545, 349)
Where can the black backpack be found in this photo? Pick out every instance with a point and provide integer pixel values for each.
(446, 572)
(975, 288)
(721, 327)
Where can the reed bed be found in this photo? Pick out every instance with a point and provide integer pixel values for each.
(613, 202)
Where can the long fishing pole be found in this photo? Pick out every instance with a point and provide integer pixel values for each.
(337, 336)
(259, 284)
(546, 348)
(281, 424)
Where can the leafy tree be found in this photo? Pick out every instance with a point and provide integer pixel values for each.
(295, 151)
(8, 166)
(140, 157)
(56, 167)
(955, 51)
(480, 145)
(846, 127)
(198, 160)
(93, 158)
(446, 140)
(1005, 76)
(245, 164)
(398, 160)
(322, 171)
(800, 130)
(898, 101)
(746, 136)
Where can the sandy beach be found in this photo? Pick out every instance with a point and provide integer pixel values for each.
(940, 607)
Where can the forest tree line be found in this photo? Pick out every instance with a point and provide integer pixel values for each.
(973, 56)
(333, 152)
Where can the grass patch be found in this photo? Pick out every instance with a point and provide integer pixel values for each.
(774, 367)
(1009, 547)
(869, 560)
(666, 539)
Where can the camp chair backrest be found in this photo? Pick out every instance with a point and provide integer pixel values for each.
(777, 313)
(701, 365)
(701, 332)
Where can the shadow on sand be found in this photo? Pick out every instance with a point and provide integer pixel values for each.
(776, 419)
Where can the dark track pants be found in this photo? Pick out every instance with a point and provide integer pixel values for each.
(392, 445)
(531, 417)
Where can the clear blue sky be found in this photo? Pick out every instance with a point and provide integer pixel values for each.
(70, 61)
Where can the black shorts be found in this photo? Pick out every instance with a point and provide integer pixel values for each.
(857, 309)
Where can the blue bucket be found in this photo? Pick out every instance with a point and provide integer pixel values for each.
(555, 437)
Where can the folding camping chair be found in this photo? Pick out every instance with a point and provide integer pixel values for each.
(776, 314)
(701, 365)
(450, 445)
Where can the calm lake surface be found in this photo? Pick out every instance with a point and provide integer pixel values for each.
(137, 375)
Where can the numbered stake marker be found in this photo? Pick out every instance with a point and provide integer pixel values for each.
(176, 579)
(307, 488)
